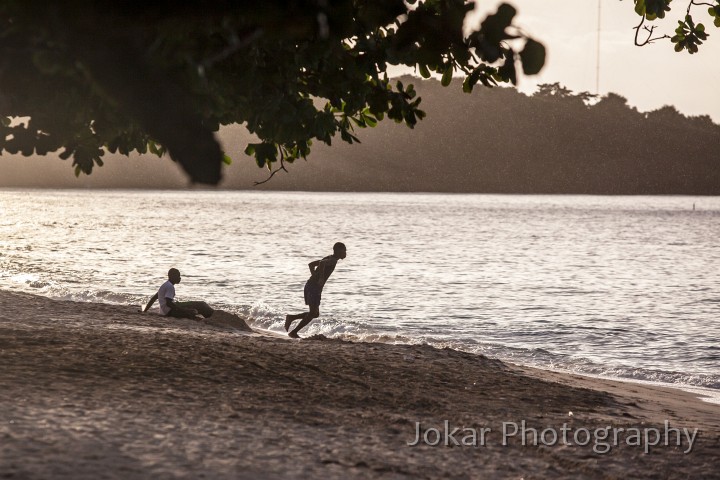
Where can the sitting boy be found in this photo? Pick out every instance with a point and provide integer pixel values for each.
(171, 308)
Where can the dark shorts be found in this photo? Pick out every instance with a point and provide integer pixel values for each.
(312, 294)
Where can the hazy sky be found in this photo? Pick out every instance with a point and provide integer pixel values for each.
(650, 76)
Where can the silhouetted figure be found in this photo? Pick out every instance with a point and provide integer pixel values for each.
(171, 308)
(320, 271)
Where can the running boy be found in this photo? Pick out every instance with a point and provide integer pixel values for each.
(320, 271)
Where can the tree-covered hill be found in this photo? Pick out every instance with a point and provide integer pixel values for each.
(501, 141)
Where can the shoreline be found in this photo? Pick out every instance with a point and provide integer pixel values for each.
(704, 394)
(101, 391)
(184, 189)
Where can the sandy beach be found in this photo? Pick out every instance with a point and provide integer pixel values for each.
(93, 391)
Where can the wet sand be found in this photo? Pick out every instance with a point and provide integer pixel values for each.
(92, 391)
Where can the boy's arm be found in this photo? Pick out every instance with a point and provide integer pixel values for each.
(319, 272)
(150, 303)
(313, 266)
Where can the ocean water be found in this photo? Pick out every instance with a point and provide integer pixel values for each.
(622, 287)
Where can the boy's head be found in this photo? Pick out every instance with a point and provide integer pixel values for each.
(174, 276)
(339, 250)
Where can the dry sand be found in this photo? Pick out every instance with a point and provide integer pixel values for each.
(92, 391)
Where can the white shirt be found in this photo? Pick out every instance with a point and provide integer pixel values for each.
(167, 290)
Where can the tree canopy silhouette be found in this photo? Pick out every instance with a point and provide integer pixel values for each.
(89, 76)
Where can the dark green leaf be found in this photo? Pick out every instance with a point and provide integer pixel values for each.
(447, 76)
(370, 121)
(532, 57)
(468, 84)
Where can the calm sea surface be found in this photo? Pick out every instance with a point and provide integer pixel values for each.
(613, 286)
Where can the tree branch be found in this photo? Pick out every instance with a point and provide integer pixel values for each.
(272, 174)
(650, 30)
(693, 2)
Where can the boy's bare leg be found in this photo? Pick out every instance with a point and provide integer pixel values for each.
(291, 318)
(307, 318)
(200, 307)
